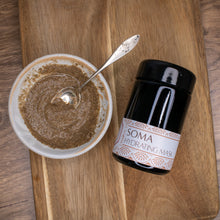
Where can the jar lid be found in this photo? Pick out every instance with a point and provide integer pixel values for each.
(169, 73)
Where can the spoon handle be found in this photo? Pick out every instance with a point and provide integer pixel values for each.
(122, 50)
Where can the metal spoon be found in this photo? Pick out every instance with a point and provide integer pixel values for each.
(72, 96)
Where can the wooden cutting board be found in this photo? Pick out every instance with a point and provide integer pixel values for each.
(94, 185)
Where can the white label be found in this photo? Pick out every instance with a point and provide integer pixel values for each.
(146, 144)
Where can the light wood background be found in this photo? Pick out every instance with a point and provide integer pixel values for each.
(16, 196)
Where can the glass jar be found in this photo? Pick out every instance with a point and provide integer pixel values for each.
(150, 130)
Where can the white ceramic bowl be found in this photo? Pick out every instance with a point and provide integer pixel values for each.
(31, 71)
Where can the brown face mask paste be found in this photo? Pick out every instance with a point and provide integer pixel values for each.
(59, 125)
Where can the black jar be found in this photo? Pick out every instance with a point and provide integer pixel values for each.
(150, 131)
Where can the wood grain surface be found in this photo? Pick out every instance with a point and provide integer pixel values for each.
(16, 200)
(211, 27)
(16, 193)
(176, 38)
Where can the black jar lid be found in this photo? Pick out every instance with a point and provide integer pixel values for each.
(169, 73)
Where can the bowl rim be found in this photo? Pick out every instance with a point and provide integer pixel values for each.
(108, 115)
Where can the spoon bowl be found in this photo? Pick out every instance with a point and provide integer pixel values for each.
(69, 95)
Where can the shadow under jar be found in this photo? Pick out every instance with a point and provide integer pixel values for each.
(150, 130)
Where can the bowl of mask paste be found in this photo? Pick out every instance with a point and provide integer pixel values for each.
(57, 130)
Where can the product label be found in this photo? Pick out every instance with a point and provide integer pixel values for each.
(146, 144)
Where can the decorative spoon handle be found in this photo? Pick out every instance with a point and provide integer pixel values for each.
(122, 50)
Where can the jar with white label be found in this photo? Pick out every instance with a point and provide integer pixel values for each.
(150, 130)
